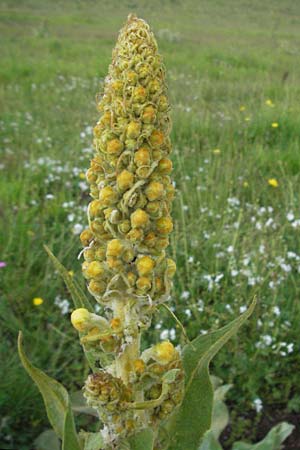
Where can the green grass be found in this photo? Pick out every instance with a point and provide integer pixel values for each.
(224, 59)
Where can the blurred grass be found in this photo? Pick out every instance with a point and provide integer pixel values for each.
(224, 59)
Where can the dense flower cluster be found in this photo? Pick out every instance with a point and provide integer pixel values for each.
(129, 216)
(124, 246)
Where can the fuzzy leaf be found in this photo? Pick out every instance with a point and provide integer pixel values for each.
(56, 401)
(142, 440)
(79, 298)
(188, 424)
(93, 441)
(272, 441)
(220, 415)
(210, 442)
(47, 440)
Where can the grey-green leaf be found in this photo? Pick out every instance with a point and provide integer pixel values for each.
(210, 442)
(272, 441)
(79, 298)
(47, 440)
(56, 401)
(220, 415)
(143, 440)
(188, 424)
(93, 441)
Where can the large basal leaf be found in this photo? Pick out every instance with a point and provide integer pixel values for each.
(143, 440)
(272, 441)
(79, 298)
(188, 424)
(56, 401)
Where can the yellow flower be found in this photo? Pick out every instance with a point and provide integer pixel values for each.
(247, 119)
(216, 151)
(82, 175)
(275, 125)
(37, 301)
(242, 108)
(71, 273)
(269, 102)
(273, 182)
(246, 184)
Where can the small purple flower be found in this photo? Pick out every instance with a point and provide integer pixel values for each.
(2, 264)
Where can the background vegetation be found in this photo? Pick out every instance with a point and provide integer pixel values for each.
(234, 81)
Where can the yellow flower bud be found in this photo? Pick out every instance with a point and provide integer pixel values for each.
(97, 227)
(91, 176)
(139, 219)
(80, 319)
(155, 190)
(153, 208)
(131, 277)
(133, 130)
(164, 352)
(157, 137)
(124, 226)
(100, 253)
(142, 157)
(96, 287)
(156, 154)
(86, 236)
(94, 269)
(107, 196)
(134, 235)
(125, 180)
(164, 225)
(113, 262)
(128, 255)
(143, 284)
(149, 114)
(165, 166)
(144, 265)
(114, 147)
(154, 86)
(150, 239)
(139, 94)
(163, 103)
(117, 86)
(114, 248)
(171, 267)
(95, 208)
(131, 77)
(89, 254)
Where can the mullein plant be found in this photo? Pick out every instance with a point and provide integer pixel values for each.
(161, 397)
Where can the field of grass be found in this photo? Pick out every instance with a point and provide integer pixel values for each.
(234, 84)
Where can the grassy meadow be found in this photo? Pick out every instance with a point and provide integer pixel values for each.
(234, 84)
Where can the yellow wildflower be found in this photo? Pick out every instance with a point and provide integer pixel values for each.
(82, 175)
(242, 108)
(246, 184)
(269, 102)
(216, 151)
(275, 125)
(273, 182)
(37, 301)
